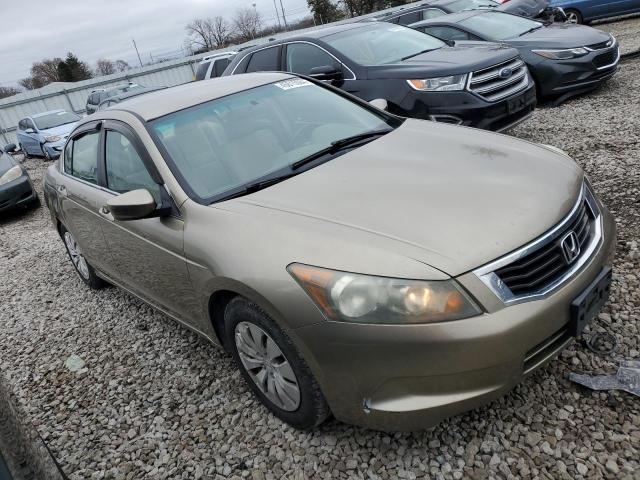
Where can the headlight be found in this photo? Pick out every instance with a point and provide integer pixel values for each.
(351, 297)
(11, 174)
(440, 84)
(562, 54)
(54, 138)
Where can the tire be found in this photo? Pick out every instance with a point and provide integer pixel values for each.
(36, 203)
(85, 271)
(574, 16)
(244, 322)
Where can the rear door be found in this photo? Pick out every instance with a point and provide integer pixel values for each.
(147, 253)
(80, 193)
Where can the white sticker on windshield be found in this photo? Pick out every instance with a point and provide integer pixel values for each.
(293, 83)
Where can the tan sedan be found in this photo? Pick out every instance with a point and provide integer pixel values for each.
(390, 272)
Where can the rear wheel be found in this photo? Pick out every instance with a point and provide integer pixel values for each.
(573, 16)
(86, 271)
(272, 366)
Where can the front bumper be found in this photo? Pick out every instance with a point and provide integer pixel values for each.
(557, 77)
(466, 108)
(54, 150)
(408, 377)
(16, 194)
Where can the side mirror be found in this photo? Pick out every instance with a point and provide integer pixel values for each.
(326, 72)
(30, 131)
(380, 103)
(132, 205)
(10, 148)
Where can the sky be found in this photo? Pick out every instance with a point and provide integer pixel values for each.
(94, 29)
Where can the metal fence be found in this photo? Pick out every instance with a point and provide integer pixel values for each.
(73, 96)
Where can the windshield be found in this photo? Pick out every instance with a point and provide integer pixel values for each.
(52, 120)
(382, 43)
(499, 26)
(460, 5)
(229, 143)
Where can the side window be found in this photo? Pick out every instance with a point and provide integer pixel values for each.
(124, 167)
(302, 57)
(67, 156)
(409, 18)
(84, 157)
(448, 33)
(93, 99)
(432, 13)
(264, 60)
(22, 124)
(201, 72)
(220, 66)
(29, 124)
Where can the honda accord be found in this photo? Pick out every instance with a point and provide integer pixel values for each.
(391, 272)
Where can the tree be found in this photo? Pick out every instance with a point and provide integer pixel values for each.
(72, 69)
(105, 67)
(362, 7)
(220, 32)
(324, 11)
(200, 32)
(247, 22)
(8, 92)
(122, 66)
(42, 73)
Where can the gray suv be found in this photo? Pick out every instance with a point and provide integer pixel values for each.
(98, 96)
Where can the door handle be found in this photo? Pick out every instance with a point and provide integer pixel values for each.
(62, 190)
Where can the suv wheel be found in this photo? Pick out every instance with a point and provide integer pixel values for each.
(272, 366)
(573, 16)
(86, 271)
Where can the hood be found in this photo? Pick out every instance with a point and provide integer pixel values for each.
(62, 130)
(6, 162)
(524, 8)
(445, 61)
(456, 197)
(561, 35)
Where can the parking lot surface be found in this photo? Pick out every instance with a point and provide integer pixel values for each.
(155, 401)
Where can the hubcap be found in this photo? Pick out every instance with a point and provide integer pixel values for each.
(76, 255)
(267, 366)
(572, 18)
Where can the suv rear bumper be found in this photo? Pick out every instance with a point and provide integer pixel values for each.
(468, 109)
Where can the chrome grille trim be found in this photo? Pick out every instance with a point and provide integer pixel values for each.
(487, 274)
(483, 82)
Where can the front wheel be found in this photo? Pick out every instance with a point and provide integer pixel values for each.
(272, 366)
(86, 271)
(573, 16)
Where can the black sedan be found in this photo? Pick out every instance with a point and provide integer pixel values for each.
(16, 189)
(563, 58)
(418, 75)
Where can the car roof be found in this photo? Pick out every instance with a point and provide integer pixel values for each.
(325, 31)
(132, 93)
(454, 17)
(165, 101)
(48, 112)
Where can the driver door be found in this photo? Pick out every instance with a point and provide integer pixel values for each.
(147, 254)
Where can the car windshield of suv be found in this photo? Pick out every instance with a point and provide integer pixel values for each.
(460, 5)
(383, 43)
(500, 26)
(221, 147)
(55, 120)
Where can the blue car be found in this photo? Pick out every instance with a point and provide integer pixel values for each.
(44, 134)
(584, 11)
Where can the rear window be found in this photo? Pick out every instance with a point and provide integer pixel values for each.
(201, 72)
(264, 60)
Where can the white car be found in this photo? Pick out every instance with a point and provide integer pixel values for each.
(212, 66)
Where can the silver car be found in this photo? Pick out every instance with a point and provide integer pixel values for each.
(391, 272)
(44, 134)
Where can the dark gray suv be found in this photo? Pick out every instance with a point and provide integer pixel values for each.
(98, 96)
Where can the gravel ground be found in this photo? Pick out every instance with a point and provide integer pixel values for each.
(625, 31)
(155, 401)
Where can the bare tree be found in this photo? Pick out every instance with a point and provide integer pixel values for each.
(122, 66)
(8, 92)
(248, 23)
(200, 31)
(42, 73)
(220, 32)
(105, 67)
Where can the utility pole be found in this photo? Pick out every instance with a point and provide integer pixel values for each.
(137, 52)
(284, 19)
(277, 13)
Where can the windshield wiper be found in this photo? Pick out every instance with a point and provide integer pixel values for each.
(416, 54)
(530, 30)
(256, 186)
(339, 145)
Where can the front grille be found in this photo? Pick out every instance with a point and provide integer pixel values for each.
(545, 350)
(533, 272)
(490, 85)
(606, 59)
(600, 46)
